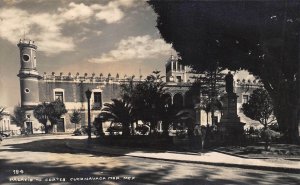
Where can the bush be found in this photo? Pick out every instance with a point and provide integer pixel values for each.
(181, 134)
(114, 129)
(138, 141)
(142, 129)
(84, 130)
(268, 134)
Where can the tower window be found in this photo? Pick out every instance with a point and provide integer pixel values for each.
(26, 90)
(26, 58)
(59, 96)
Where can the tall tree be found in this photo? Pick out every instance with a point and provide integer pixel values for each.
(75, 117)
(260, 108)
(40, 112)
(212, 87)
(19, 116)
(251, 35)
(148, 100)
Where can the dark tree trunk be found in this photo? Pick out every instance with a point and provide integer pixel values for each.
(125, 130)
(207, 119)
(153, 127)
(46, 129)
(294, 127)
(286, 108)
(165, 128)
(132, 128)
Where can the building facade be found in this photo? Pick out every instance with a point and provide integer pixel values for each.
(5, 123)
(70, 89)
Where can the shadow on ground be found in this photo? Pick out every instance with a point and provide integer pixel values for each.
(145, 171)
(142, 175)
(61, 146)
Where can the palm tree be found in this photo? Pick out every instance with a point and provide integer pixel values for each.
(119, 112)
(2, 113)
(75, 117)
(41, 114)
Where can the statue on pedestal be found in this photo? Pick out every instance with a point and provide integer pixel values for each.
(229, 83)
(230, 126)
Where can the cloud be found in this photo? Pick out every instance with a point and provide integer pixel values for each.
(44, 28)
(126, 3)
(110, 13)
(140, 47)
(77, 12)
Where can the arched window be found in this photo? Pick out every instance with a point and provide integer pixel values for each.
(178, 100)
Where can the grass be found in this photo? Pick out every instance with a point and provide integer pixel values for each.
(277, 150)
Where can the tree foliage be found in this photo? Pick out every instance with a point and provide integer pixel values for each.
(40, 112)
(208, 88)
(260, 108)
(75, 117)
(149, 102)
(55, 110)
(251, 35)
(19, 116)
(49, 111)
(147, 99)
(2, 113)
(119, 111)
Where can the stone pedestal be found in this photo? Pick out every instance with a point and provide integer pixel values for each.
(230, 127)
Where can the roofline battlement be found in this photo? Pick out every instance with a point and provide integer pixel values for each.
(26, 43)
(244, 82)
(89, 79)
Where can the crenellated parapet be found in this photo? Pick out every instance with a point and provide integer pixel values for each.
(248, 83)
(86, 78)
(246, 86)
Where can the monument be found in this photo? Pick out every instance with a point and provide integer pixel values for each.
(230, 127)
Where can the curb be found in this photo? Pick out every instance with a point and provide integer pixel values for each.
(247, 157)
(243, 166)
(35, 135)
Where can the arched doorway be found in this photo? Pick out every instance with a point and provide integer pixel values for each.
(178, 100)
(167, 99)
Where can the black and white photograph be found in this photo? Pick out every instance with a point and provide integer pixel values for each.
(171, 92)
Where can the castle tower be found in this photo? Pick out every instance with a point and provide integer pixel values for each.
(29, 78)
(175, 72)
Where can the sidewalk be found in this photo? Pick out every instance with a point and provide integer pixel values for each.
(208, 158)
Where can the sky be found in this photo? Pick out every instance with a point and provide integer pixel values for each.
(85, 36)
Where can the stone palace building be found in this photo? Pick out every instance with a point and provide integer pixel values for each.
(70, 89)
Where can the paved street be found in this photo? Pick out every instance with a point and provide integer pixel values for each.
(47, 160)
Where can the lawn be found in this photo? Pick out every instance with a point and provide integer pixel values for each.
(277, 151)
